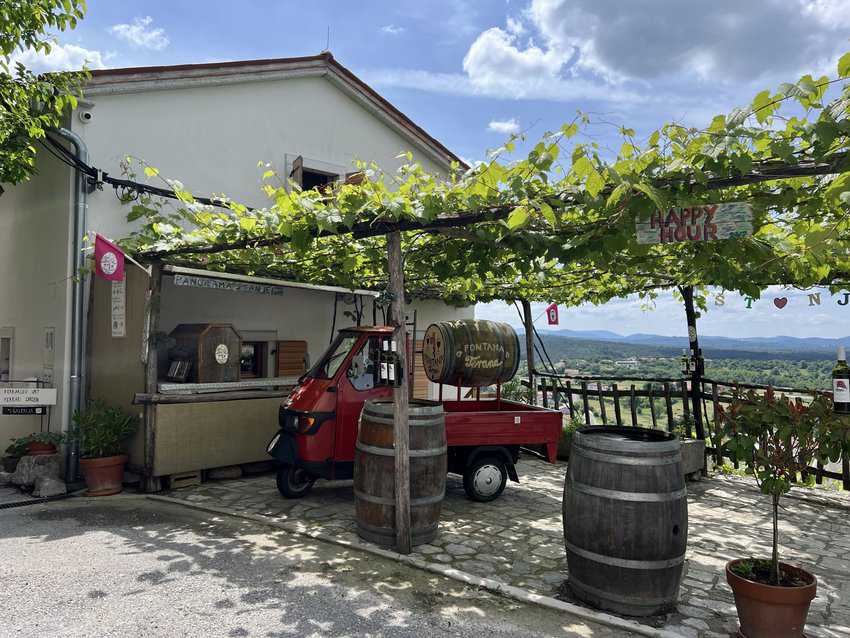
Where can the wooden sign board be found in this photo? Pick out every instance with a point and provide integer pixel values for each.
(706, 222)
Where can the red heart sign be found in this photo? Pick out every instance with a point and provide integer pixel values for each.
(780, 302)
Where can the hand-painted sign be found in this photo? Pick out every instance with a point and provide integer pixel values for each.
(27, 396)
(706, 222)
(226, 284)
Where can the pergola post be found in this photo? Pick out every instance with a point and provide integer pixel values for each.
(401, 433)
(529, 349)
(698, 370)
(151, 353)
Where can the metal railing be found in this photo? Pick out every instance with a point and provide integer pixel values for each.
(662, 403)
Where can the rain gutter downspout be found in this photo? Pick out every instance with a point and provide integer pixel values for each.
(78, 371)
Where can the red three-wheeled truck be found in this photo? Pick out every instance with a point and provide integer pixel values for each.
(319, 419)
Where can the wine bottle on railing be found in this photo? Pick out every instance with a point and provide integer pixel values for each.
(841, 383)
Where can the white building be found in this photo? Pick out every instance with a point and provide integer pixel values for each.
(207, 125)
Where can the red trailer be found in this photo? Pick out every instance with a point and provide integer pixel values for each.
(318, 424)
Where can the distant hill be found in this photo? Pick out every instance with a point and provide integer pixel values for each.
(563, 347)
(711, 345)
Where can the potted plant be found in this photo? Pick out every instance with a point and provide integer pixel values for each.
(41, 443)
(777, 438)
(100, 432)
(13, 454)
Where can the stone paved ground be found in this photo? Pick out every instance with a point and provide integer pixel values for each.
(519, 539)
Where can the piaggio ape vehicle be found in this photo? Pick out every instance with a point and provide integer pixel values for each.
(319, 421)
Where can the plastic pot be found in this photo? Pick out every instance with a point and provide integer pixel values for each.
(104, 475)
(768, 611)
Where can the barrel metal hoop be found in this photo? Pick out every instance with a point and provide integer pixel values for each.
(625, 562)
(411, 422)
(421, 406)
(619, 598)
(389, 451)
(636, 497)
(627, 460)
(380, 500)
(610, 445)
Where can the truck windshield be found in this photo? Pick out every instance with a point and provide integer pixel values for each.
(332, 359)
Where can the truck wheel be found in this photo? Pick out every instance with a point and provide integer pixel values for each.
(293, 482)
(485, 479)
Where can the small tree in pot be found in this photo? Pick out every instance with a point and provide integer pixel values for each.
(777, 438)
(100, 432)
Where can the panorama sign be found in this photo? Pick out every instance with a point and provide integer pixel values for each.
(706, 222)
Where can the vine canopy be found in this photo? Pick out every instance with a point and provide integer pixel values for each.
(557, 224)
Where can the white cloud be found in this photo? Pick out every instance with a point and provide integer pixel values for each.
(505, 127)
(141, 34)
(392, 29)
(722, 41)
(62, 57)
(515, 26)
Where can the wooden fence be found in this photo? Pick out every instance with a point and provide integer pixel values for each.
(660, 403)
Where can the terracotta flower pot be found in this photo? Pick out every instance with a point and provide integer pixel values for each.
(37, 448)
(768, 611)
(104, 476)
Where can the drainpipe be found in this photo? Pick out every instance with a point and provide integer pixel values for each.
(78, 345)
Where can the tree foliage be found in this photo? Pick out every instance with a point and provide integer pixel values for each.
(558, 224)
(31, 104)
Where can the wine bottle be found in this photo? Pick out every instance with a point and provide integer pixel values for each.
(841, 383)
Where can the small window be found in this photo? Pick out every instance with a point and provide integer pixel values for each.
(5, 355)
(252, 359)
(322, 182)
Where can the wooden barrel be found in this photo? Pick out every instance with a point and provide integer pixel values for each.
(374, 471)
(625, 513)
(470, 353)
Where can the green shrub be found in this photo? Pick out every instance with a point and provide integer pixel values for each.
(101, 430)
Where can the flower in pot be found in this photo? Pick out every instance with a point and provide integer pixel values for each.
(777, 438)
(100, 432)
(41, 443)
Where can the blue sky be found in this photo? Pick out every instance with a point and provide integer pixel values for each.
(472, 71)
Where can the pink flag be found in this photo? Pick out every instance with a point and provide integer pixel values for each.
(108, 259)
(552, 314)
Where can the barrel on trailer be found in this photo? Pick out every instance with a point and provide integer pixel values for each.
(374, 471)
(470, 353)
(625, 514)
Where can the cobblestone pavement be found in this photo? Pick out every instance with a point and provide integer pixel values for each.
(519, 538)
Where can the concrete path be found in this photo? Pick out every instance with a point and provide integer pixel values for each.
(129, 566)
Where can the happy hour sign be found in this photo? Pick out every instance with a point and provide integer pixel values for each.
(707, 222)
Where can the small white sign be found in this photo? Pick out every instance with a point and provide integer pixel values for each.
(27, 396)
(119, 309)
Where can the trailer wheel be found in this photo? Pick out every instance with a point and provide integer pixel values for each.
(485, 479)
(293, 482)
